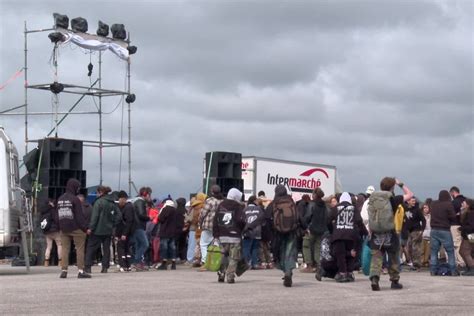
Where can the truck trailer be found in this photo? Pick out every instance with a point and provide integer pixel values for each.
(264, 174)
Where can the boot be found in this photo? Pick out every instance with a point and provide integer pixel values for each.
(341, 277)
(287, 281)
(163, 266)
(375, 283)
(318, 273)
(396, 285)
(46, 262)
(173, 265)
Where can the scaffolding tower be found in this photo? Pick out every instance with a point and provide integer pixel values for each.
(94, 90)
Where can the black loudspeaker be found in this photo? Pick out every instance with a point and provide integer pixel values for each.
(118, 31)
(79, 25)
(61, 20)
(224, 165)
(61, 160)
(225, 183)
(225, 170)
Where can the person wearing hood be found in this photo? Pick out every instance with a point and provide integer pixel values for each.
(229, 222)
(192, 220)
(316, 219)
(105, 216)
(344, 220)
(170, 223)
(72, 226)
(206, 220)
(442, 217)
(415, 224)
(284, 243)
(182, 232)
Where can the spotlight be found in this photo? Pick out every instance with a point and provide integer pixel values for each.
(56, 87)
(79, 25)
(132, 49)
(61, 20)
(118, 31)
(130, 98)
(103, 29)
(56, 37)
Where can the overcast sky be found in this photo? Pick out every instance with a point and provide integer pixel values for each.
(376, 88)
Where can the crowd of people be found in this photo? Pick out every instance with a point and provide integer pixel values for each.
(377, 232)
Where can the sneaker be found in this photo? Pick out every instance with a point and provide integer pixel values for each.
(375, 283)
(163, 266)
(287, 281)
(350, 277)
(308, 269)
(63, 274)
(220, 277)
(83, 275)
(341, 278)
(173, 265)
(230, 278)
(104, 270)
(318, 274)
(396, 285)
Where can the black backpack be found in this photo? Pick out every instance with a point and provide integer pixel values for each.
(319, 218)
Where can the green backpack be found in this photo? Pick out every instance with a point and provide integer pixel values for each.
(214, 257)
(380, 212)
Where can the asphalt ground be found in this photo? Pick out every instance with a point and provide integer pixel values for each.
(188, 292)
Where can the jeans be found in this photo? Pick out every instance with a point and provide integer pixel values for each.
(168, 248)
(287, 253)
(191, 245)
(250, 250)
(206, 239)
(141, 244)
(442, 237)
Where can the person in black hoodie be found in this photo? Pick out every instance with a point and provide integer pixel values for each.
(316, 219)
(228, 224)
(467, 228)
(415, 224)
(345, 220)
(50, 213)
(124, 231)
(254, 218)
(72, 225)
(442, 217)
(172, 223)
(284, 244)
(181, 232)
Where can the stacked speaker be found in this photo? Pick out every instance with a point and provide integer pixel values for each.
(223, 169)
(54, 162)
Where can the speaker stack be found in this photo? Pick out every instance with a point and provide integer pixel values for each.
(223, 169)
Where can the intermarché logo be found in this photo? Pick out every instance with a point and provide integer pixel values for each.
(299, 184)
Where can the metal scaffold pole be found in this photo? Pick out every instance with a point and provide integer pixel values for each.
(26, 89)
(129, 128)
(100, 119)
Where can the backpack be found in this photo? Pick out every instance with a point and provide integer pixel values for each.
(46, 222)
(285, 215)
(319, 219)
(380, 212)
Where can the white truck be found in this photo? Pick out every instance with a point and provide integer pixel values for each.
(15, 215)
(264, 174)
